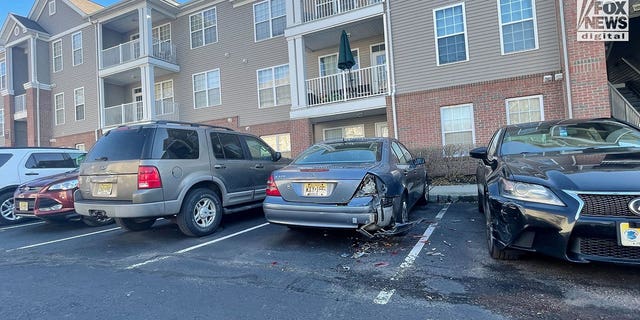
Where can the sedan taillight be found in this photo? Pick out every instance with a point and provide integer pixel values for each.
(272, 189)
(148, 177)
(367, 186)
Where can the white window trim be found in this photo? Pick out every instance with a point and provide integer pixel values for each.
(273, 88)
(3, 84)
(80, 146)
(53, 52)
(201, 13)
(75, 104)
(193, 76)
(540, 98)
(255, 33)
(535, 29)
(277, 136)
(466, 34)
(324, 136)
(52, 7)
(55, 109)
(379, 126)
(173, 92)
(2, 122)
(337, 54)
(473, 122)
(73, 50)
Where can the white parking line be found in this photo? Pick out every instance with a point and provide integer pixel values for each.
(385, 295)
(64, 239)
(22, 225)
(134, 266)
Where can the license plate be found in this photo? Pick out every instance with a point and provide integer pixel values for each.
(629, 237)
(104, 189)
(315, 190)
(23, 206)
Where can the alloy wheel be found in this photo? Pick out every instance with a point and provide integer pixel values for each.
(6, 210)
(204, 212)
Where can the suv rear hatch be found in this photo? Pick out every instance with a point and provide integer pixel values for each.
(110, 171)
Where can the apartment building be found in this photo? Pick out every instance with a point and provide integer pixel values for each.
(431, 73)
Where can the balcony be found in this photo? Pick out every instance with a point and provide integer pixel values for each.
(134, 112)
(20, 107)
(130, 51)
(341, 87)
(318, 9)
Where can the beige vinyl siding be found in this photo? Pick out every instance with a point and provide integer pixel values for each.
(44, 64)
(238, 57)
(364, 54)
(12, 35)
(415, 47)
(64, 19)
(20, 66)
(368, 122)
(73, 77)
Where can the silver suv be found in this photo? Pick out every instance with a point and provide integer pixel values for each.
(188, 173)
(20, 165)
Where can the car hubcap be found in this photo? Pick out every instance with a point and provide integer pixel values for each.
(6, 209)
(426, 192)
(204, 213)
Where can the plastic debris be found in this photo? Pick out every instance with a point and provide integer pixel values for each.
(381, 264)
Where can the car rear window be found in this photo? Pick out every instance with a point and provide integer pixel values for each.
(342, 152)
(121, 144)
(176, 144)
(4, 157)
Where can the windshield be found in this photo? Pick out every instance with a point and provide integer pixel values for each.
(341, 152)
(120, 144)
(574, 137)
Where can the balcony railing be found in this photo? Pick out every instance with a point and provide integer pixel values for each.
(20, 106)
(621, 109)
(129, 51)
(318, 9)
(345, 86)
(135, 112)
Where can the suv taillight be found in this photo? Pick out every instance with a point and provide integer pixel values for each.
(272, 189)
(148, 177)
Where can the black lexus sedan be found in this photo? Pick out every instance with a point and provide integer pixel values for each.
(566, 188)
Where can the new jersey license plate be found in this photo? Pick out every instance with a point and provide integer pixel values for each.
(104, 189)
(23, 206)
(315, 190)
(629, 237)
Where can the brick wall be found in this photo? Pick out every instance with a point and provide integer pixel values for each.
(88, 138)
(301, 135)
(419, 123)
(9, 139)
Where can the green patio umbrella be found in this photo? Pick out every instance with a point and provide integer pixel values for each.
(345, 57)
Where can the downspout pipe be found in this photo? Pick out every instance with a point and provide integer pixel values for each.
(37, 83)
(98, 87)
(565, 54)
(392, 74)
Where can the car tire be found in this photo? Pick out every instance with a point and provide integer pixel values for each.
(492, 244)
(480, 202)
(135, 224)
(425, 194)
(7, 216)
(402, 211)
(201, 213)
(97, 222)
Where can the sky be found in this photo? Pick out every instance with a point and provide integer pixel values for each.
(22, 7)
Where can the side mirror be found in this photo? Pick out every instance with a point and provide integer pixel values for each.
(479, 153)
(419, 161)
(276, 156)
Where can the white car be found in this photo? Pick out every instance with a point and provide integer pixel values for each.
(20, 165)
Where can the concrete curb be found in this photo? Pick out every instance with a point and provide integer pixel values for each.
(453, 193)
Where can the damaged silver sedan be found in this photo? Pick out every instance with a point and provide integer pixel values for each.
(369, 185)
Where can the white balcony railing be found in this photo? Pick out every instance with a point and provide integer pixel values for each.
(345, 86)
(621, 109)
(20, 106)
(135, 112)
(129, 51)
(318, 9)
(165, 108)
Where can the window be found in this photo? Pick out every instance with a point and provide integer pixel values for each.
(1, 122)
(161, 40)
(52, 7)
(176, 144)
(50, 161)
(382, 129)
(457, 125)
(57, 55)
(402, 154)
(59, 108)
(203, 27)
(450, 28)
(269, 18)
(273, 86)
(230, 146)
(3, 75)
(329, 63)
(525, 109)
(258, 149)
(517, 25)
(206, 89)
(279, 142)
(356, 131)
(164, 97)
(76, 43)
(80, 146)
(78, 101)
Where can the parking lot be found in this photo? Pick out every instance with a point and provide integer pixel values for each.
(250, 269)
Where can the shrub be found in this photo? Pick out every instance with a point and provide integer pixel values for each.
(450, 164)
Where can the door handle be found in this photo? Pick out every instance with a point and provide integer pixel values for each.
(406, 172)
(219, 166)
(259, 166)
(31, 174)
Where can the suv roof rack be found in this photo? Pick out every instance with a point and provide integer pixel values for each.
(191, 124)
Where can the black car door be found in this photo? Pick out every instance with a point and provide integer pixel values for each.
(486, 168)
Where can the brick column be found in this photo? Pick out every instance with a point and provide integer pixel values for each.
(46, 117)
(30, 103)
(9, 134)
(587, 70)
(301, 136)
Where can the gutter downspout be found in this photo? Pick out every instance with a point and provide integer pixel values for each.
(37, 82)
(98, 53)
(391, 69)
(565, 53)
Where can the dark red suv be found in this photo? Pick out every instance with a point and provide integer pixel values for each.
(51, 199)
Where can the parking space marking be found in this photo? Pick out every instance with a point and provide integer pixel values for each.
(385, 295)
(64, 239)
(21, 225)
(185, 250)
